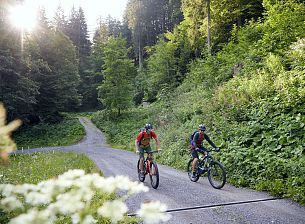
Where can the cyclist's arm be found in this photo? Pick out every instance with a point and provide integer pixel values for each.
(154, 135)
(157, 143)
(137, 142)
(209, 141)
(137, 145)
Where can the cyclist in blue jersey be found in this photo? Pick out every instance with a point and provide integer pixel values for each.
(197, 146)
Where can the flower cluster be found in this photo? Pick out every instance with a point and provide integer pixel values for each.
(7, 145)
(71, 195)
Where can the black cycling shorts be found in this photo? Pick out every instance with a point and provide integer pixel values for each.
(195, 152)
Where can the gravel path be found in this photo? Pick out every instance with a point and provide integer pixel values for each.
(177, 191)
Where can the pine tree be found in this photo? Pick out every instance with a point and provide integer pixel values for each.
(78, 33)
(17, 91)
(59, 20)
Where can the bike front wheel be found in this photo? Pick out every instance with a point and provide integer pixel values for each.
(154, 175)
(190, 172)
(141, 177)
(217, 175)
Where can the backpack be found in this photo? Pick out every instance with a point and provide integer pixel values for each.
(192, 136)
(142, 131)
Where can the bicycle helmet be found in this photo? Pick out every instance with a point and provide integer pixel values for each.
(201, 127)
(148, 126)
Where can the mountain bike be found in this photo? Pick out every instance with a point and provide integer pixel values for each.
(206, 164)
(150, 168)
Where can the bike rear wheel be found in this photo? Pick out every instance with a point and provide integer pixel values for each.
(154, 175)
(217, 175)
(141, 177)
(190, 172)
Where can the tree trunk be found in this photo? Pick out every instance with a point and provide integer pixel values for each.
(140, 36)
(209, 26)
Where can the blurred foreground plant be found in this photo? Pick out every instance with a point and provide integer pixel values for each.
(71, 195)
(7, 145)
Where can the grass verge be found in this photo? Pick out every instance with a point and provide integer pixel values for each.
(67, 132)
(34, 168)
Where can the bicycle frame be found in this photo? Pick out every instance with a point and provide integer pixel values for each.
(149, 158)
(206, 164)
(151, 168)
(147, 168)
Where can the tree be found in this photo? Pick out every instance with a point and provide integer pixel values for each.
(78, 33)
(116, 90)
(211, 21)
(162, 69)
(17, 90)
(59, 20)
(148, 19)
(54, 66)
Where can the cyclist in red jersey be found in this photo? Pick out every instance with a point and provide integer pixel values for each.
(142, 143)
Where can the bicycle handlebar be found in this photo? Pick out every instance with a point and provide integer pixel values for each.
(213, 149)
(209, 149)
(154, 151)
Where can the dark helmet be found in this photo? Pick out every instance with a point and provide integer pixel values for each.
(202, 127)
(148, 126)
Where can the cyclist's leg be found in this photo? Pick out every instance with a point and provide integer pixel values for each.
(195, 160)
(141, 157)
(202, 150)
(148, 151)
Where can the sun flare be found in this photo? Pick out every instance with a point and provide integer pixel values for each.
(23, 16)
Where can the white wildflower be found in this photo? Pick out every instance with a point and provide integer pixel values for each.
(122, 182)
(62, 184)
(36, 198)
(88, 219)
(105, 185)
(10, 203)
(69, 203)
(153, 212)
(25, 188)
(33, 216)
(71, 174)
(7, 189)
(137, 187)
(49, 187)
(113, 210)
(86, 194)
(86, 181)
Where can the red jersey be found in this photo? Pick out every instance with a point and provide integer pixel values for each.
(144, 138)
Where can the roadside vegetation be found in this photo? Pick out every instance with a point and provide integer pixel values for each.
(67, 132)
(238, 66)
(250, 94)
(33, 168)
(39, 167)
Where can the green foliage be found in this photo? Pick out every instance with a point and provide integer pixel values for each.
(162, 68)
(255, 112)
(33, 168)
(147, 20)
(62, 77)
(283, 25)
(122, 126)
(116, 90)
(17, 90)
(67, 132)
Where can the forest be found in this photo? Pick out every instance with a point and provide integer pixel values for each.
(237, 66)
